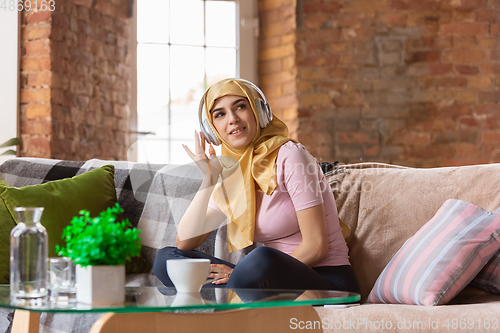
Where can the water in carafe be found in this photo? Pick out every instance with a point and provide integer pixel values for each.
(28, 255)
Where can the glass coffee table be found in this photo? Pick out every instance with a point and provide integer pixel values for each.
(154, 309)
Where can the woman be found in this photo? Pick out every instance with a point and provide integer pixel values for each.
(272, 191)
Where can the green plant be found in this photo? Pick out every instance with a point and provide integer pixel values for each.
(10, 143)
(100, 240)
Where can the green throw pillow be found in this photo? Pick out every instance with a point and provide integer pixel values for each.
(6, 225)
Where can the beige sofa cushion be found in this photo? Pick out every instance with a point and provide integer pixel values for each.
(384, 205)
(376, 318)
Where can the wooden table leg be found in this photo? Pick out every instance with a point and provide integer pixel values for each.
(25, 322)
(284, 319)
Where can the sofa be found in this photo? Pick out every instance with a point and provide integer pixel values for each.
(384, 206)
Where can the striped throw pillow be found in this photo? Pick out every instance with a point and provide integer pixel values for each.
(441, 258)
(489, 277)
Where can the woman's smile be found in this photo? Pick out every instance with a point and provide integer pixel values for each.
(238, 131)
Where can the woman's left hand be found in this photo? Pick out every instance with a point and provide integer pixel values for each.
(225, 273)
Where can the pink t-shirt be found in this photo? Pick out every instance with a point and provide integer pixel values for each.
(301, 185)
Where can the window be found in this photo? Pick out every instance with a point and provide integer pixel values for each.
(9, 76)
(183, 46)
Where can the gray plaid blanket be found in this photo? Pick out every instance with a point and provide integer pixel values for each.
(154, 198)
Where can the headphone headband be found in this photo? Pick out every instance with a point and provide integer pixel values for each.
(251, 84)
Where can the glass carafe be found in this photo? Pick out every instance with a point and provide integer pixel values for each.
(28, 255)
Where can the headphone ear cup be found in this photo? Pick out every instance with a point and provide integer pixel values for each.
(209, 133)
(263, 113)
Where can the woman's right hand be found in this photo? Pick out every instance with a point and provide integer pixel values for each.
(210, 166)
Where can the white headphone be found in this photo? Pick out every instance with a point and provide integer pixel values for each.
(262, 108)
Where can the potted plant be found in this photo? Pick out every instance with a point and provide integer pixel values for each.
(99, 247)
(10, 143)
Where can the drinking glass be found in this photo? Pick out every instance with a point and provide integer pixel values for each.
(62, 280)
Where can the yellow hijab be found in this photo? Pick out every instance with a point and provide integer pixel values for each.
(243, 169)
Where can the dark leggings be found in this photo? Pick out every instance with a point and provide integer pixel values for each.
(267, 268)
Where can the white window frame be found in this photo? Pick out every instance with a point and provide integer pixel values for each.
(9, 76)
(247, 53)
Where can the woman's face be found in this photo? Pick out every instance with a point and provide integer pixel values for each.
(233, 118)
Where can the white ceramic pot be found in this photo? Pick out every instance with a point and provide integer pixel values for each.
(100, 285)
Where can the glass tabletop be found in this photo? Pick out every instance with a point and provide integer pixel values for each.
(157, 299)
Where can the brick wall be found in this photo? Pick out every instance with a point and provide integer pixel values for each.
(76, 80)
(36, 109)
(277, 56)
(397, 81)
